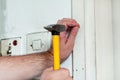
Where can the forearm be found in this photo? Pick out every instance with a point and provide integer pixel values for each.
(24, 67)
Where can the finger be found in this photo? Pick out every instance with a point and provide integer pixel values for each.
(69, 19)
(67, 22)
(65, 72)
(63, 38)
(72, 36)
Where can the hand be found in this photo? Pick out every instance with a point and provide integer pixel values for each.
(67, 42)
(50, 74)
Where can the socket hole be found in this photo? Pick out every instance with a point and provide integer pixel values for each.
(15, 42)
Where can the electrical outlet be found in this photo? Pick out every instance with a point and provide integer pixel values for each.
(11, 46)
(38, 42)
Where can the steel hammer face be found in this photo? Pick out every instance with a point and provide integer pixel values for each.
(55, 28)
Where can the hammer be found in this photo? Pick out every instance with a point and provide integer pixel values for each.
(55, 29)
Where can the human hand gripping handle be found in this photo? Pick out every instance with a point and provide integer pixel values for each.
(61, 74)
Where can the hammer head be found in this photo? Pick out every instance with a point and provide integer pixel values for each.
(55, 27)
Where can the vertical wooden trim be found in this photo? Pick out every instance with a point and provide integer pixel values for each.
(84, 51)
(78, 51)
(95, 39)
(104, 49)
(90, 41)
(116, 37)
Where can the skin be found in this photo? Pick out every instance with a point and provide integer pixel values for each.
(50, 74)
(26, 67)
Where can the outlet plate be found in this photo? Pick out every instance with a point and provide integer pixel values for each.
(10, 46)
(38, 42)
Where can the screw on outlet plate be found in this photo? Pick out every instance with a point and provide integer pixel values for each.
(9, 51)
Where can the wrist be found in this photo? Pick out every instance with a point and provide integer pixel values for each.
(48, 58)
(50, 53)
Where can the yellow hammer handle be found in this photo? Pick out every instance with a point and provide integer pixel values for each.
(56, 51)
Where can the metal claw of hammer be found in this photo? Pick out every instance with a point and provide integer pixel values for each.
(55, 29)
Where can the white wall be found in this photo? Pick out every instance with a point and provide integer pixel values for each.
(2, 17)
(22, 15)
(116, 37)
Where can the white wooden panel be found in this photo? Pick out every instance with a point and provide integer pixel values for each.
(116, 37)
(90, 40)
(78, 52)
(96, 32)
(84, 51)
(104, 49)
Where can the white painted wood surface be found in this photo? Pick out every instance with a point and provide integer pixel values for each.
(90, 40)
(84, 51)
(79, 50)
(95, 40)
(104, 47)
(116, 37)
